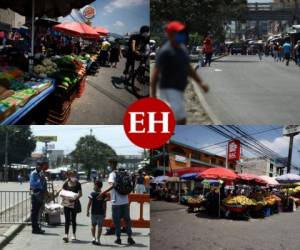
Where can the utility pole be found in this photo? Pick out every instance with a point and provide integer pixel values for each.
(290, 152)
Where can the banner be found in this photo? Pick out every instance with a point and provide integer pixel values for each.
(234, 151)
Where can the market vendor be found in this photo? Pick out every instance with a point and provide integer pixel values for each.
(38, 186)
(212, 198)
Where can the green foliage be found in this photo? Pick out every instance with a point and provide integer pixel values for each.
(201, 16)
(92, 153)
(20, 143)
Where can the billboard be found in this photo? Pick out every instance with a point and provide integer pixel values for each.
(45, 138)
(234, 151)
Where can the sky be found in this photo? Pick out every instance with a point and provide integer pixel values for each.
(202, 137)
(119, 16)
(69, 135)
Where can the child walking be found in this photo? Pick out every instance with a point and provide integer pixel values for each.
(98, 212)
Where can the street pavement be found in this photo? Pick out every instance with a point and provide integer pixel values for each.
(173, 228)
(52, 239)
(244, 90)
(105, 99)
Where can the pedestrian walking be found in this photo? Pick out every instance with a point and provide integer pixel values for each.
(140, 184)
(120, 186)
(287, 52)
(147, 181)
(297, 53)
(115, 54)
(38, 187)
(98, 212)
(20, 178)
(73, 206)
(172, 69)
(260, 51)
(208, 50)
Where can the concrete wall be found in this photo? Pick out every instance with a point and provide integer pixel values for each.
(13, 19)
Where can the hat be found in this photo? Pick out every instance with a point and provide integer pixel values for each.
(175, 26)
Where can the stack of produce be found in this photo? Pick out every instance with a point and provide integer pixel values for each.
(195, 200)
(239, 200)
(45, 69)
(272, 200)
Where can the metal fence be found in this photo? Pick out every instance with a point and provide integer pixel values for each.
(15, 207)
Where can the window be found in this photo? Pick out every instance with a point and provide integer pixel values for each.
(221, 163)
(196, 155)
(271, 167)
(271, 174)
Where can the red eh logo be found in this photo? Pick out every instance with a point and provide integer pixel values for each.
(149, 123)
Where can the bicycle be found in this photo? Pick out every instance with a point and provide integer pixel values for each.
(140, 79)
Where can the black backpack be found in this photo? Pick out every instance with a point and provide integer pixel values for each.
(123, 183)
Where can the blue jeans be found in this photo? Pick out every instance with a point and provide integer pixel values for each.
(119, 212)
(298, 59)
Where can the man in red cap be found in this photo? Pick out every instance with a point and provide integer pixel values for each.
(172, 69)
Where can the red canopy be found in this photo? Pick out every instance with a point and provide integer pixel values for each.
(251, 177)
(183, 171)
(77, 29)
(102, 31)
(219, 173)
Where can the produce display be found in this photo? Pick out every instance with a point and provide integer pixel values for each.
(195, 200)
(272, 200)
(239, 200)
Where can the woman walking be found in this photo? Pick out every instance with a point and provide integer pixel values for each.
(115, 53)
(71, 206)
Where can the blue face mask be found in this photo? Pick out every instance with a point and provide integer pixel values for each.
(181, 38)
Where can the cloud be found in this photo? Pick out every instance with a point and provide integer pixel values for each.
(119, 24)
(280, 144)
(218, 150)
(120, 4)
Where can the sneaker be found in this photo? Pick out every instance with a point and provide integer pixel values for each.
(118, 241)
(130, 241)
(98, 243)
(66, 239)
(94, 242)
(38, 231)
(73, 237)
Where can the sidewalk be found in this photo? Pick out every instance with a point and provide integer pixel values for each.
(52, 239)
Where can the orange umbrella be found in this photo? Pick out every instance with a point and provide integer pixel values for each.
(102, 31)
(219, 173)
(77, 29)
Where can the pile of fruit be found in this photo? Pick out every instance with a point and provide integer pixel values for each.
(195, 200)
(45, 69)
(239, 200)
(291, 191)
(272, 200)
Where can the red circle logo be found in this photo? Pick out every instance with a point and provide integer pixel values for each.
(149, 123)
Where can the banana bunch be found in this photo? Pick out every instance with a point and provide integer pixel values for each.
(239, 200)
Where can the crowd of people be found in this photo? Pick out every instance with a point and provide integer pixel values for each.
(120, 185)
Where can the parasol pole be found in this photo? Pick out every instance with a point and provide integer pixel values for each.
(31, 58)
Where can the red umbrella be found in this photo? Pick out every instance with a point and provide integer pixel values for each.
(251, 177)
(102, 31)
(183, 171)
(219, 173)
(77, 29)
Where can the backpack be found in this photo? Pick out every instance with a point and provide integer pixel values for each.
(123, 183)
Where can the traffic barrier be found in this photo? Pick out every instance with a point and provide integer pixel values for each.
(140, 222)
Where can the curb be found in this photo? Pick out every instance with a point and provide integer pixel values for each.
(201, 98)
(11, 233)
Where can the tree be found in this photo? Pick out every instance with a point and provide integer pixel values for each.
(92, 153)
(21, 143)
(201, 16)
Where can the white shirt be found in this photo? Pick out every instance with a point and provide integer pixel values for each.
(116, 198)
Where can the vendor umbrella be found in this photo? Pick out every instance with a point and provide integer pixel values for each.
(160, 179)
(219, 173)
(269, 180)
(39, 8)
(191, 170)
(76, 29)
(102, 31)
(288, 178)
(251, 177)
(190, 176)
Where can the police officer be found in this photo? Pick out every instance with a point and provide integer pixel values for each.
(38, 187)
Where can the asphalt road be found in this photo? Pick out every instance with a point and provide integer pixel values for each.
(247, 91)
(52, 239)
(173, 228)
(105, 99)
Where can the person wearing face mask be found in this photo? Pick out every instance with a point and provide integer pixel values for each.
(38, 187)
(137, 46)
(172, 69)
(72, 184)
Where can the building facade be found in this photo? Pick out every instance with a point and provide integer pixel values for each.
(260, 166)
(179, 156)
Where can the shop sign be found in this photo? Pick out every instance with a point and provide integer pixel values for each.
(89, 12)
(180, 158)
(291, 130)
(45, 138)
(234, 151)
